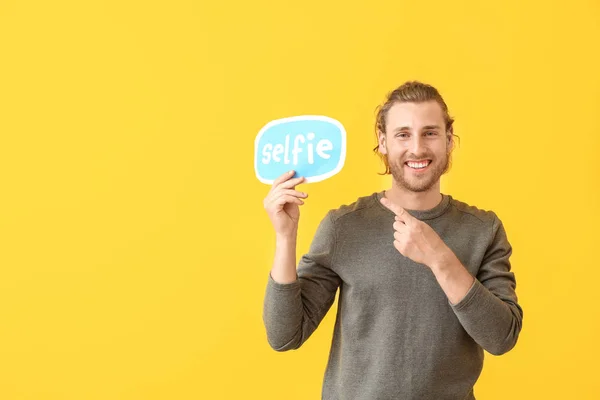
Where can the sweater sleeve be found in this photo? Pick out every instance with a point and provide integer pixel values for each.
(293, 311)
(490, 312)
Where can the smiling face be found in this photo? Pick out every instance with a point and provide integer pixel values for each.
(416, 144)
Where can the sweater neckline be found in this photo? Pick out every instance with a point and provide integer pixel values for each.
(432, 213)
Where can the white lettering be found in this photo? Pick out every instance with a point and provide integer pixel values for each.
(278, 149)
(286, 159)
(297, 149)
(266, 153)
(274, 152)
(322, 146)
(310, 136)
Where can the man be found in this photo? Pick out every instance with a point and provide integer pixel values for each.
(425, 280)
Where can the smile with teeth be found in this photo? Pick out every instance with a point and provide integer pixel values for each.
(419, 165)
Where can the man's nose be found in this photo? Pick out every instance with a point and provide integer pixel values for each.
(416, 145)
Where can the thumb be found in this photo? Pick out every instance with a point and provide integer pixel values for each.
(400, 212)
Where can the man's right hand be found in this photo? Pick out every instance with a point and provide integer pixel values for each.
(283, 204)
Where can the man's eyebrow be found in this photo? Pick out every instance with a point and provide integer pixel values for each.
(407, 128)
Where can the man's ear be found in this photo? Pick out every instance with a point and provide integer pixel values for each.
(382, 143)
(450, 139)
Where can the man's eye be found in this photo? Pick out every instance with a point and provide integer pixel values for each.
(402, 135)
(431, 133)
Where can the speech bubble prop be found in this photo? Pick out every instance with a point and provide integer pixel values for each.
(312, 145)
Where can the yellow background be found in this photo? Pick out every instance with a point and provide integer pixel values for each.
(134, 247)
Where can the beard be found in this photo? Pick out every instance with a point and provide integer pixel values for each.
(423, 182)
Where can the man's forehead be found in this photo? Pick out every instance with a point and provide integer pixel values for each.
(415, 114)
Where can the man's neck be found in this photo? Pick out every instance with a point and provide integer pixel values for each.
(410, 200)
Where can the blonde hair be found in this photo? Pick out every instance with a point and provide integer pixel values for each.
(410, 92)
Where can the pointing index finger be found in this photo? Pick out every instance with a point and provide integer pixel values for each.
(396, 209)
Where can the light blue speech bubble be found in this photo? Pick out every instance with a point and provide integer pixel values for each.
(312, 145)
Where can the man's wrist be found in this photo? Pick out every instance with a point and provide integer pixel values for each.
(444, 262)
(286, 239)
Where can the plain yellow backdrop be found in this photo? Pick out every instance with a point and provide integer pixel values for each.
(134, 247)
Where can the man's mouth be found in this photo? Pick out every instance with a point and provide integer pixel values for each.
(419, 165)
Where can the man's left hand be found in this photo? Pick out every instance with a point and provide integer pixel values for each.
(415, 239)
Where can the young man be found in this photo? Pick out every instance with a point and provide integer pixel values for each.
(425, 280)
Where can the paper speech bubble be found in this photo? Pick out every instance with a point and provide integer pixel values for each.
(312, 145)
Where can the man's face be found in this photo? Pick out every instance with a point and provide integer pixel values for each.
(416, 144)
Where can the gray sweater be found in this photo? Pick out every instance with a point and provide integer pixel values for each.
(396, 335)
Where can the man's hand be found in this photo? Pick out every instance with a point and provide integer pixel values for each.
(282, 204)
(419, 242)
(414, 238)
